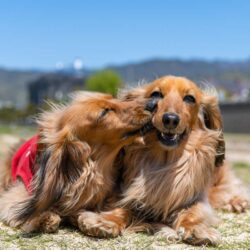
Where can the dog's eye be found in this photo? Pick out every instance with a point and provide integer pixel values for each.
(156, 94)
(189, 99)
(104, 112)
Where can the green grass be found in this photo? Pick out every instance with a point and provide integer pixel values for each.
(234, 228)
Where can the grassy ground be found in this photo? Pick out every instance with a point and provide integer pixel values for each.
(235, 229)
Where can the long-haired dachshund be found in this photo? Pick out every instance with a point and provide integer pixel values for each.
(74, 170)
(173, 178)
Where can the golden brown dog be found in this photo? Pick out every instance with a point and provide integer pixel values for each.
(173, 178)
(78, 144)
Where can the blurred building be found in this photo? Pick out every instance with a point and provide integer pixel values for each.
(53, 87)
(236, 117)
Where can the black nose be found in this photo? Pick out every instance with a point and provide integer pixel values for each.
(152, 104)
(170, 120)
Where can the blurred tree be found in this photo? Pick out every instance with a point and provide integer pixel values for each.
(106, 81)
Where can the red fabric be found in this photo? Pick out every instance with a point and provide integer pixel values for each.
(23, 162)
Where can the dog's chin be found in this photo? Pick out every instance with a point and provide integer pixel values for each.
(171, 140)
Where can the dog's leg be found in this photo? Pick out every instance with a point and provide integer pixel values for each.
(46, 222)
(104, 224)
(227, 192)
(194, 225)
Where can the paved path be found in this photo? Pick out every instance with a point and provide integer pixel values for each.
(238, 151)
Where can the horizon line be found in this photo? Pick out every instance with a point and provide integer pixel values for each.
(120, 64)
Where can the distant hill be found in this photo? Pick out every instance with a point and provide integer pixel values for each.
(232, 76)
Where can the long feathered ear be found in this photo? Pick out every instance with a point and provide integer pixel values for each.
(212, 119)
(211, 112)
(60, 165)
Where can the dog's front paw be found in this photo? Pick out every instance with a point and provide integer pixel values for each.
(49, 222)
(94, 224)
(237, 205)
(199, 235)
(169, 234)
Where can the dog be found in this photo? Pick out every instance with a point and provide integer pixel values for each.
(74, 170)
(173, 179)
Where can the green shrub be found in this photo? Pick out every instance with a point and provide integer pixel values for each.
(106, 81)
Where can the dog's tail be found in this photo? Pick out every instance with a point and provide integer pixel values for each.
(60, 164)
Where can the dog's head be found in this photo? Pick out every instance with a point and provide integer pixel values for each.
(93, 126)
(103, 119)
(179, 106)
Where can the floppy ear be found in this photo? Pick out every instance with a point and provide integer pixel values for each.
(211, 115)
(211, 112)
(60, 164)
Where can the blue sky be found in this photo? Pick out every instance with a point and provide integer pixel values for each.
(38, 34)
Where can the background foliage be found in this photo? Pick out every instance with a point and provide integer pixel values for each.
(106, 81)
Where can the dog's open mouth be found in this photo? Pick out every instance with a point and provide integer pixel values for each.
(167, 139)
(170, 139)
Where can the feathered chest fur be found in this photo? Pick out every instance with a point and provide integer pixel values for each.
(95, 182)
(160, 183)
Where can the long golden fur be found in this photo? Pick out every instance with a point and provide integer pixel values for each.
(75, 171)
(171, 181)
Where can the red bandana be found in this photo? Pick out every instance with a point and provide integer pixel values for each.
(23, 162)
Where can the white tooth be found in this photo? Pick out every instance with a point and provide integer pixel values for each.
(173, 137)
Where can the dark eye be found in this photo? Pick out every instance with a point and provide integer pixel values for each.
(156, 94)
(104, 112)
(189, 99)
